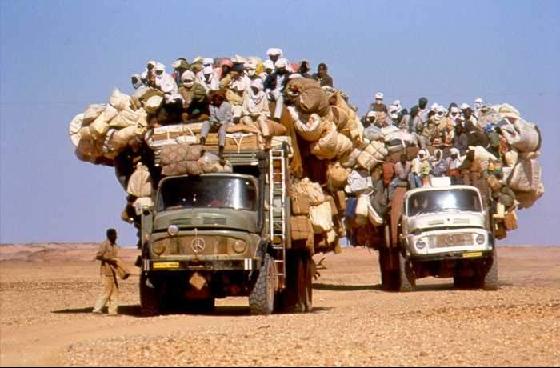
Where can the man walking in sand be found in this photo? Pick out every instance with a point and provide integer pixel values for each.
(110, 269)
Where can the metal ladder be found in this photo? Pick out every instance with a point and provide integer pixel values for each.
(278, 217)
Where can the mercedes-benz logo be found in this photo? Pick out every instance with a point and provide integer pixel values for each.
(198, 245)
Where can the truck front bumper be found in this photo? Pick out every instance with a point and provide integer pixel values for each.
(456, 255)
(244, 264)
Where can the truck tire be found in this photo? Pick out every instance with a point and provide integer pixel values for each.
(489, 279)
(389, 277)
(305, 282)
(407, 280)
(150, 300)
(261, 299)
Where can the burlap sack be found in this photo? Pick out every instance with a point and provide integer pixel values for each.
(349, 160)
(343, 145)
(119, 100)
(101, 124)
(340, 117)
(337, 176)
(529, 138)
(300, 203)
(325, 147)
(152, 104)
(119, 139)
(126, 118)
(140, 182)
(321, 217)
(311, 99)
(193, 168)
(310, 130)
(366, 160)
(526, 176)
(174, 168)
(377, 150)
(311, 190)
(300, 227)
(92, 112)
(194, 152)
(173, 153)
(89, 150)
(74, 129)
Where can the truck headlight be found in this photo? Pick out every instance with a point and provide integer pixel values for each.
(421, 243)
(239, 246)
(480, 239)
(173, 230)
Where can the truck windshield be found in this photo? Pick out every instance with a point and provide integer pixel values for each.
(207, 192)
(443, 200)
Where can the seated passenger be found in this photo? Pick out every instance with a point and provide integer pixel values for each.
(221, 116)
(195, 101)
(255, 110)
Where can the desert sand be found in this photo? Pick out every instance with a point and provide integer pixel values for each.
(47, 292)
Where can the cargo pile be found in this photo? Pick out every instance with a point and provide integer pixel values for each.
(343, 168)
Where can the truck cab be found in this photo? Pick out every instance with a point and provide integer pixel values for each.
(217, 235)
(441, 231)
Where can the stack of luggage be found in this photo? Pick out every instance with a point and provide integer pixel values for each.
(345, 173)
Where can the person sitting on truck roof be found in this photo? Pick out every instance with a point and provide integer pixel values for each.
(238, 86)
(195, 100)
(440, 165)
(268, 68)
(322, 76)
(255, 109)
(179, 67)
(274, 86)
(221, 116)
(402, 168)
(136, 81)
(274, 54)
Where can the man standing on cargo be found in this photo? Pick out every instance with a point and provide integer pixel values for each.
(107, 254)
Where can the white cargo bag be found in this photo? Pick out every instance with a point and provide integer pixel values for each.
(359, 181)
(101, 124)
(526, 176)
(140, 183)
(74, 129)
(321, 217)
(362, 205)
(92, 112)
(119, 100)
(373, 216)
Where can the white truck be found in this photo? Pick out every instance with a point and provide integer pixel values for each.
(441, 231)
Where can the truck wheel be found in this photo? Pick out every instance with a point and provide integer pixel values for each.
(261, 299)
(489, 279)
(289, 299)
(386, 273)
(462, 282)
(150, 301)
(305, 282)
(390, 278)
(407, 280)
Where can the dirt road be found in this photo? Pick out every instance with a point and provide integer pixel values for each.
(47, 293)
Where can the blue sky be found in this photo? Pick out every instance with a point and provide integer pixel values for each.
(56, 57)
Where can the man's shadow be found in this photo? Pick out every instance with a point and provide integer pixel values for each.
(127, 310)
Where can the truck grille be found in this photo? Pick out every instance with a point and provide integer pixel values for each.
(452, 240)
(199, 245)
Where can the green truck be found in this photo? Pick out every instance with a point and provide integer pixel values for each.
(217, 235)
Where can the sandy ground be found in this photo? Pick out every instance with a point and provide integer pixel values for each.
(47, 292)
